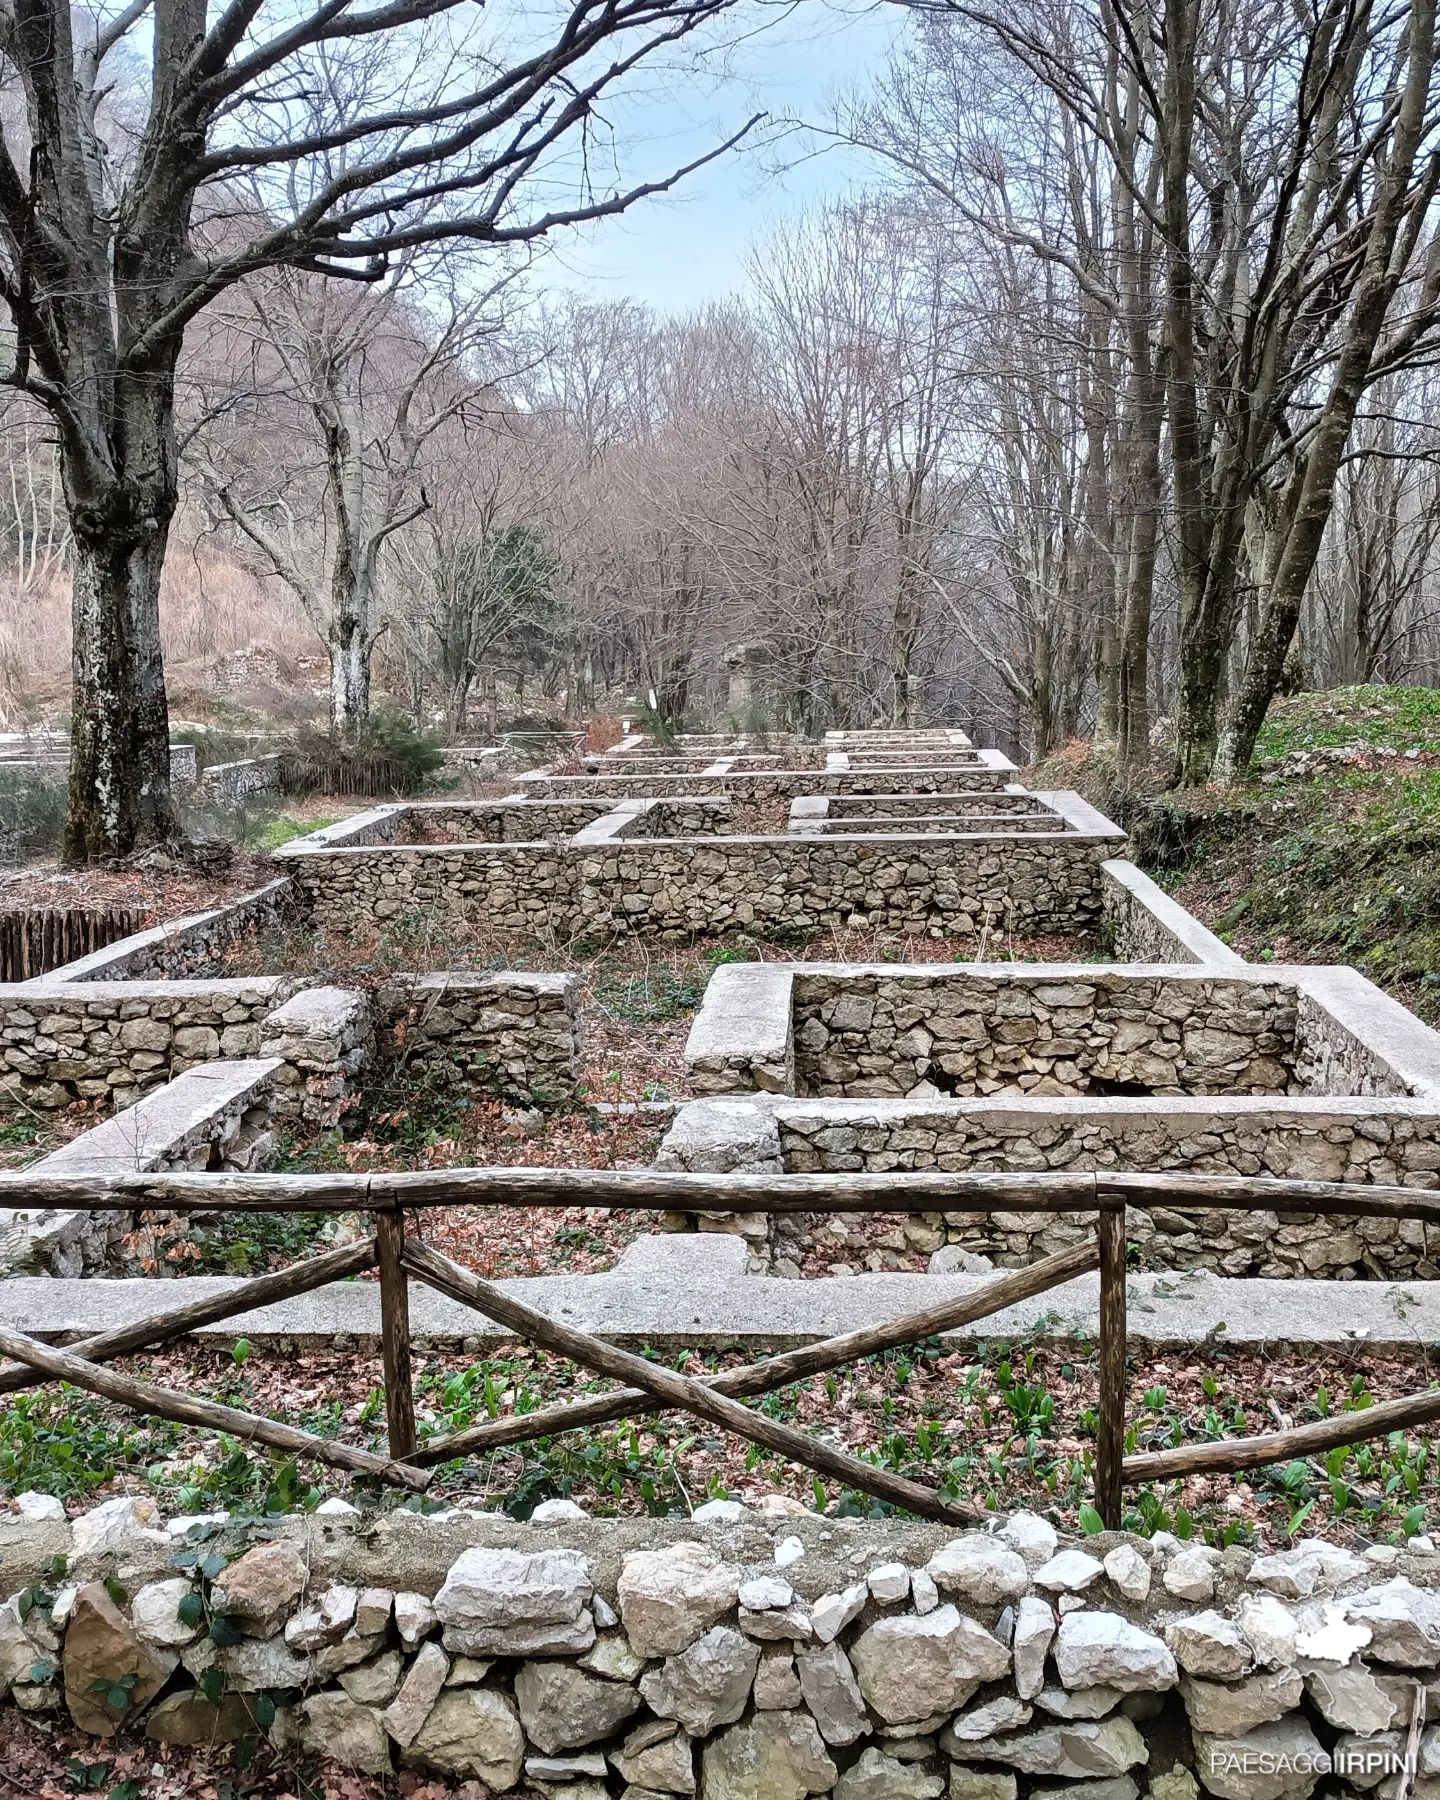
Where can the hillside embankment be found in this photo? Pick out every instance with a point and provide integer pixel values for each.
(1330, 852)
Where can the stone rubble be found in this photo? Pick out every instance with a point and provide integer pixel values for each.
(985, 1695)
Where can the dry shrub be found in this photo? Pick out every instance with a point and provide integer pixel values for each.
(602, 733)
(209, 606)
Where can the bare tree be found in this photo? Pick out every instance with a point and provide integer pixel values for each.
(1248, 222)
(360, 382)
(1052, 261)
(329, 137)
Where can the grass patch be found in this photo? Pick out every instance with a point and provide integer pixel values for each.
(1345, 869)
(1335, 862)
(270, 834)
(1381, 718)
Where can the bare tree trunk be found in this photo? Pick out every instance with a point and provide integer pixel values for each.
(832, 661)
(1139, 577)
(120, 512)
(906, 632)
(120, 727)
(349, 646)
(1311, 495)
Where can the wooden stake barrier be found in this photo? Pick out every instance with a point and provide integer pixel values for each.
(165, 1403)
(617, 1190)
(1110, 1427)
(774, 1372)
(1266, 1193)
(34, 940)
(652, 1388)
(395, 1335)
(677, 1390)
(639, 1190)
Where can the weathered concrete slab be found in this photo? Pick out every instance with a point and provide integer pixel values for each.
(691, 1290)
(159, 1130)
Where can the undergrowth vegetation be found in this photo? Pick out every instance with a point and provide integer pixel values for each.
(230, 1243)
(389, 758)
(996, 1424)
(1329, 853)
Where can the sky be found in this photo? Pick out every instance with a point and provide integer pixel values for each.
(678, 250)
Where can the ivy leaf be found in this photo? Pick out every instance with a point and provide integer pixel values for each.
(264, 1711)
(41, 1671)
(212, 1684)
(191, 1610)
(213, 1565)
(1090, 1521)
(224, 1631)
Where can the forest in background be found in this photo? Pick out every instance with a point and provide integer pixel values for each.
(1103, 409)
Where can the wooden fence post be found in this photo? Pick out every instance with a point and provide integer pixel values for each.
(1110, 1435)
(395, 1333)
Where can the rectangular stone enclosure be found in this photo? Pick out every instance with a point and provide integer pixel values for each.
(1310, 1073)
(928, 1030)
(660, 867)
(636, 778)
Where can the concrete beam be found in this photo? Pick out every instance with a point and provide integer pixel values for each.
(690, 1291)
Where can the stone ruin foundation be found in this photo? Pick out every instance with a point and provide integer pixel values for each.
(745, 1654)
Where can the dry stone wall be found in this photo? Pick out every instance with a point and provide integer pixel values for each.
(227, 784)
(642, 762)
(187, 946)
(881, 757)
(515, 888)
(679, 817)
(925, 1030)
(379, 825)
(740, 1660)
(499, 821)
(115, 1024)
(916, 738)
(887, 824)
(681, 887)
(1332, 1057)
(1366, 1141)
(512, 1034)
(322, 1041)
(940, 885)
(1006, 803)
(991, 773)
(1141, 923)
(114, 1040)
(1059, 1030)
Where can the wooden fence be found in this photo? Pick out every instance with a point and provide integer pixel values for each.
(36, 939)
(395, 1203)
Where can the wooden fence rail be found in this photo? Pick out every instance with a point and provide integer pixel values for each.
(395, 1203)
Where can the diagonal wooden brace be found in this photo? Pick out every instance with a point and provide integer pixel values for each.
(246, 1296)
(166, 1403)
(677, 1390)
(772, 1372)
